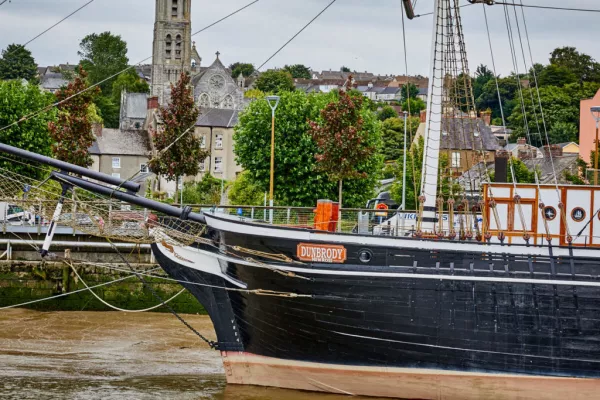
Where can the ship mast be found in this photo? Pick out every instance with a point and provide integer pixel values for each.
(433, 126)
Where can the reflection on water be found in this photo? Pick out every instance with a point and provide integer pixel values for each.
(108, 355)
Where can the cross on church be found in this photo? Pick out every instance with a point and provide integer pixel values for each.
(218, 54)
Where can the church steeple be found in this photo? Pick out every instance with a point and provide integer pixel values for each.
(172, 48)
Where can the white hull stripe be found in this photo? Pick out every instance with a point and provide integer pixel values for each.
(395, 242)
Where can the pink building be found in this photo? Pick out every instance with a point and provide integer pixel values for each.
(587, 127)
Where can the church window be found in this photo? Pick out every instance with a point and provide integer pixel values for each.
(204, 101)
(169, 43)
(228, 102)
(178, 46)
(174, 10)
(218, 141)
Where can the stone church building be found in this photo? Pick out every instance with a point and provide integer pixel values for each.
(218, 96)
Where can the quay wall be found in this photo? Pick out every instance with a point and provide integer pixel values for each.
(25, 277)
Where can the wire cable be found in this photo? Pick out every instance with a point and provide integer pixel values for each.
(49, 107)
(548, 7)
(55, 25)
(296, 35)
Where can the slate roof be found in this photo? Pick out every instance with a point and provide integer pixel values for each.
(459, 135)
(390, 90)
(123, 143)
(217, 117)
(53, 80)
(137, 105)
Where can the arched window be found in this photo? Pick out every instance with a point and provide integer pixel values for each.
(178, 46)
(228, 102)
(174, 9)
(204, 101)
(169, 44)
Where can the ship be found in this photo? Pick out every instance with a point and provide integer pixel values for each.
(505, 306)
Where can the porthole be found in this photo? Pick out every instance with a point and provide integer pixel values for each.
(549, 213)
(365, 256)
(578, 214)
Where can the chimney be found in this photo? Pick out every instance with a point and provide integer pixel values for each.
(521, 140)
(501, 166)
(553, 149)
(97, 129)
(486, 117)
(152, 103)
(423, 116)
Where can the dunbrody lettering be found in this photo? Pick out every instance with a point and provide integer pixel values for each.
(321, 253)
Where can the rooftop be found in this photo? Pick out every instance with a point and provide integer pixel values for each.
(124, 143)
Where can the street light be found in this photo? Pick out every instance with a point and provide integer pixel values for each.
(596, 114)
(273, 102)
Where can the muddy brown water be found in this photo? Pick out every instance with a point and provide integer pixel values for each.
(111, 355)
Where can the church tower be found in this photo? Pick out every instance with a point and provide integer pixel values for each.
(172, 48)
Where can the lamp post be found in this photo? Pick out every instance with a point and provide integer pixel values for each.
(596, 114)
(273, 102)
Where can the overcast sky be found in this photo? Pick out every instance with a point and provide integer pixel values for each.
(362, 34)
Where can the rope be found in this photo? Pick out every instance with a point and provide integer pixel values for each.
(112, 306)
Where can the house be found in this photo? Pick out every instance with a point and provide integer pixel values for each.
(502, 133)
(569, 147)
(389, 94)
(53, 78)
(466, 141)
(522, 150)
(587, 127)
(134, 110)
(214, 127)
(121, 153)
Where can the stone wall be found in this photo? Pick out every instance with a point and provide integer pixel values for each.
(23, 281)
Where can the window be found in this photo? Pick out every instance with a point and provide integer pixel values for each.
(202, 141)
(202, 166)
(218, 141)
(174, 8)
(455, 159)
(169, 43)
(228, 102)
(178, 46)
(144, 168)
(116, 162)
(218, 164)
(116, 175)
(204, 101)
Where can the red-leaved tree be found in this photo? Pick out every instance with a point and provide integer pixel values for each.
(178, 149)
(72, 134)
(341, 140)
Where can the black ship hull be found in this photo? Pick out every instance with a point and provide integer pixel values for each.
(396, 310)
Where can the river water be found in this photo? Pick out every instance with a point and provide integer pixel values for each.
(111, 355)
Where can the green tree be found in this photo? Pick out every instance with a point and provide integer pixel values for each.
(563, 132)
(410, 90)
(343, 68)
(392, 135)
(178, 149)
(522, 173)
(130, 82)
(102, 56)
(109, 110)
(275, 81)
(386, 112)
(245, 192)
(299, 71)
(17, 63)
(489, 96)
(206, 191)
(297, 180)
(482, 76)
(582, 65)
(556, 75)
(17, 100)
(72, 133)
(246, 69)
(342, 142)
(414, 105)
(414, 160)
